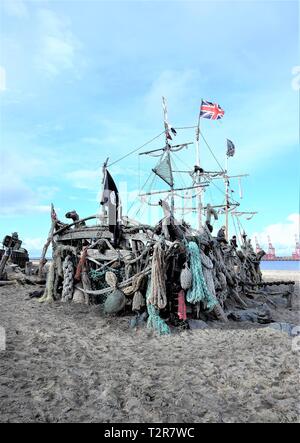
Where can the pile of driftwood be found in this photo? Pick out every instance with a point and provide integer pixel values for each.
(15, 266)
(167, 272)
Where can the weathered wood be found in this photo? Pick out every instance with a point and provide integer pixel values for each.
(77, 222)
(85, 234)
(3, 262)
(109, 255)
(94, 232)
(7, 282)
(47, 244)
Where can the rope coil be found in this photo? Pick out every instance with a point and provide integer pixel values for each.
(157, 296)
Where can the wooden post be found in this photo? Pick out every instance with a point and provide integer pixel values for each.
(5, 257)
(49, 240)
(3, 261)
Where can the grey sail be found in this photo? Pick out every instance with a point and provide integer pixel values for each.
(164, 171)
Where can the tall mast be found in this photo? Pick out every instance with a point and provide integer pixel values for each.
(227, 200)
(168, 148)
(198, 174)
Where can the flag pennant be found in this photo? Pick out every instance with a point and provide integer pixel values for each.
(230, 148)
(212, 111)
(169, 129)
(110, 198)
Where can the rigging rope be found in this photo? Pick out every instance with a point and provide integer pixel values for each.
(236, 230)
(135, 150)
(205, 141)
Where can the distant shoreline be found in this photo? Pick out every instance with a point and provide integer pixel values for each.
(271, 265)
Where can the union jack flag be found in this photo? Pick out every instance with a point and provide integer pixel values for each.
(212, 111)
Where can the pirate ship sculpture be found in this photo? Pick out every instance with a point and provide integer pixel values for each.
(166, 273)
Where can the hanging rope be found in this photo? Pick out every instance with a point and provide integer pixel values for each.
(68, 284)
(154, 320)
(81, 265)
(199, 291)
(158, 296)
(240, 188)
(236, 230)
(138, 301)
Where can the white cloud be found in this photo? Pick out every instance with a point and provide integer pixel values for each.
(282, 235)
(2, 79)
(174, 85)
(85, 178)
(16, 8)
(91, 179)
(17, 197)
(34, 246)
(33, 243)
(58, 45)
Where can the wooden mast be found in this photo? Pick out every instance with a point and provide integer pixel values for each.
(168, 149)
(226, 200)
(198, 173)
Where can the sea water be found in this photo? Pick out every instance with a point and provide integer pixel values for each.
(280, 265)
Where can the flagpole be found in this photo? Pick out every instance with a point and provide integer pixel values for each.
(198, 179)
(227, 200)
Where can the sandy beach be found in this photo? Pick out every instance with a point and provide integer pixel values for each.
(69, 363)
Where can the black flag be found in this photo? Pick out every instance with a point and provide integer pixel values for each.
(110, 198)
(230, 148)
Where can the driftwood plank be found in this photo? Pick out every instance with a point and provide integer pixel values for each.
(85, 233)
(109, 255)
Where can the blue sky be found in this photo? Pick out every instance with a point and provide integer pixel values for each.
(82, 80)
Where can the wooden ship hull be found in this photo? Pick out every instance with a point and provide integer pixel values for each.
(169, 271)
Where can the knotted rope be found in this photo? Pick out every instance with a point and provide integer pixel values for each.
(68, 284)
(111, 279)
(154, 320)
(199, 291)
(136, 285)
(157, 296)
(138, 301)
